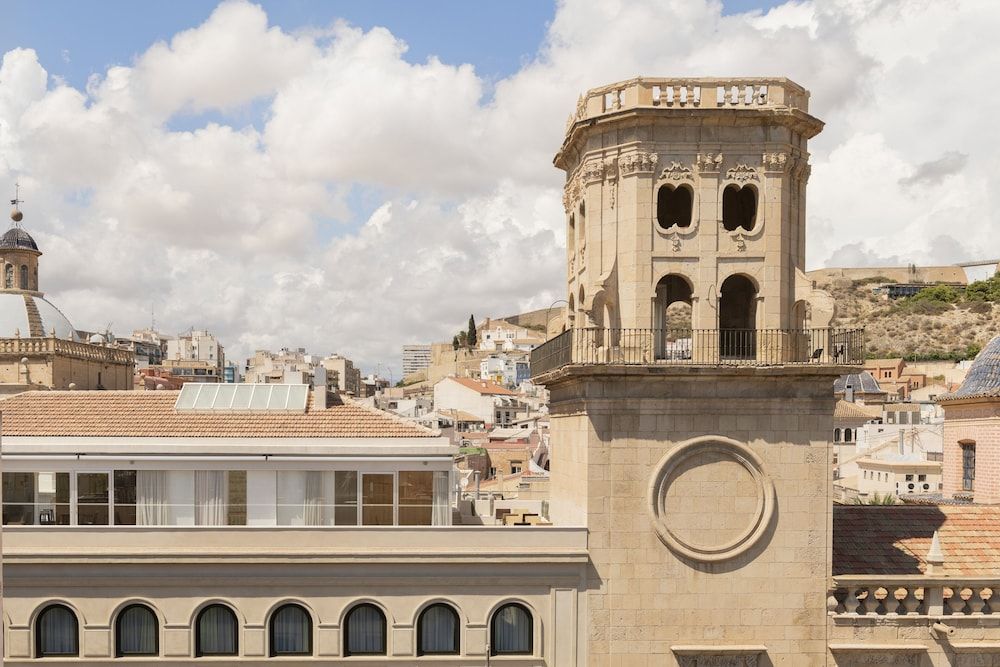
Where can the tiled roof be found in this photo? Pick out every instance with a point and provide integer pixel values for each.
(862, 383)
(983, 378)
(484, 387)
(895, 539)
(852, 411)
(141, 414)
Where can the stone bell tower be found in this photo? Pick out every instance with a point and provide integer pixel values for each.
(696, 452)
(690, 191)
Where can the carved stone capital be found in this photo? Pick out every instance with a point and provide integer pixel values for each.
(775, 162)
(708, 163)
(593, 170)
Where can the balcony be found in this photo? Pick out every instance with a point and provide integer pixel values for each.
(699, 347)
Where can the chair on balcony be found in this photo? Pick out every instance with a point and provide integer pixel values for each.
(816, 355)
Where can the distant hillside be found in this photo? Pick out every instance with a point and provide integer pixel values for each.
(938, 323)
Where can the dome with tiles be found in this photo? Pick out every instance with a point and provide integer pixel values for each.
(983, 378)
(26, 315)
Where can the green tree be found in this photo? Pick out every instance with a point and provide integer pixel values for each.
(472, 337)
(454, 342)
(984, 290)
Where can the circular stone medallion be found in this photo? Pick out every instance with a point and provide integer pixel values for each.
(710, 499)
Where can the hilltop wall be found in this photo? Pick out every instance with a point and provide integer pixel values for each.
(900, 274)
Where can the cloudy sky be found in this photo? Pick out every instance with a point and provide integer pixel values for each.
(355, 176)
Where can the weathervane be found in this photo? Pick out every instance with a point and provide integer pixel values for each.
(16, 214)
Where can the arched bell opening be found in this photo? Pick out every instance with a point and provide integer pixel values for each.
(738, 318)
(673, 317)
(739, 208)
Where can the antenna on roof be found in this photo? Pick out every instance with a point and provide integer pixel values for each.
(16, 214)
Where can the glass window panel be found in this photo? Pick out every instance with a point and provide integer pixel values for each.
(237, 505)
(224, 397)
(92, 498)
(125, 497)
(18, 498)
(279, 397)
(438, 630)
(416, 497)
(206, 397)
(189, 393)
(365, 630)
(241, 401)
(376, 499)
(57, 633)
(512, 630)
(261, 394)
(297, 397)
(137, 632)
(346, 498)
(291, 631)
(216, 631)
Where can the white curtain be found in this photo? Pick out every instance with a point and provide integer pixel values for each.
(291, 631)
(137, 631)
(315, 503)
(442, 499)
(291, 497)
(210, 497)
(58, 633)
(216, 631)
(366, 631)
(512, 630)
(151, 497)
(438, 629)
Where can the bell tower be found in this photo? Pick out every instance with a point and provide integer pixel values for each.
(18, 254)
(692, 399)
(690, 191)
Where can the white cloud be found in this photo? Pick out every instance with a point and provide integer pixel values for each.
(247, 231)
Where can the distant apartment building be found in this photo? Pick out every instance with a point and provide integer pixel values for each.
(493, 404)
(148, 346)
(503, 369)
(348, 375)
(231, 373)
(196, 356)
(416, 358)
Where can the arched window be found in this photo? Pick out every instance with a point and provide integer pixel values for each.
(291, 631)
(511, 631)
(836, 435)
(215, 631)
(739, 208)
(438, 631)
(848, 435)
(24, 276)
(57, 632)
(136, 632)
(738, 318)
(8, 276)
(364, 631)
(673, 206)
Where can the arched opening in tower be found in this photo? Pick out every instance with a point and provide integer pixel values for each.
(738, 318)
(673, 317)
(673, 206)
(739, 208)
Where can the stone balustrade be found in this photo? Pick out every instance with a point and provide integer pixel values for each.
(918, 596)
(700, 93)
(50, 345)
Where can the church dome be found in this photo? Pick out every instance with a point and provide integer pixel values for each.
(32, 316)
(16, 238)
(983, 378)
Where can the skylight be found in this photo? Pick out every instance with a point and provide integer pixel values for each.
(195, 397)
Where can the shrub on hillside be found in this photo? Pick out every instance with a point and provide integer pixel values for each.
(983, 290)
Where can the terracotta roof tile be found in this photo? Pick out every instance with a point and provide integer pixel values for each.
(141, 414)
(893, 540)
(484, 386)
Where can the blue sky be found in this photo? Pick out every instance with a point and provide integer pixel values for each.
(76, 39)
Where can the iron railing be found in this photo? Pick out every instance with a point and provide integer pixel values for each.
(707, 347)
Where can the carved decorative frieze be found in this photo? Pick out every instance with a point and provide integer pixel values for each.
(638, 163)
(708, 163)
(719, 660)
(676, 172)
(775, 161)
(675, 242)
(611, 168)
(742, 173)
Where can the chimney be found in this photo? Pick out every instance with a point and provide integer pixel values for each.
(849, 393)
(319, 397)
